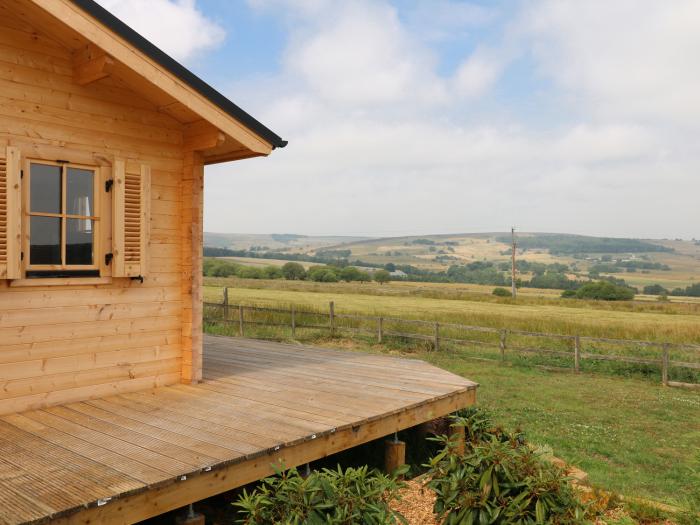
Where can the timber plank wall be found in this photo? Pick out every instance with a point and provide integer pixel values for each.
(64, 343)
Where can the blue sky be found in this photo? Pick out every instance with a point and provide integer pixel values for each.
(413, 116)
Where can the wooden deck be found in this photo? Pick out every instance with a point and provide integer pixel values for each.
(124, 458)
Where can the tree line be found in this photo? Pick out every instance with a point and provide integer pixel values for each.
(293, 271)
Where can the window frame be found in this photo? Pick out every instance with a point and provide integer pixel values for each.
(27, 213)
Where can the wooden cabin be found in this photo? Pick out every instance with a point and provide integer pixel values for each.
(107, 414)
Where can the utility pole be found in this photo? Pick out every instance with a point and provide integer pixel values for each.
(512, 266)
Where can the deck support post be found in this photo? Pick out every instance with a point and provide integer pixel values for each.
(459, 438)
(190, 518)
(394, 454)
(380, 330)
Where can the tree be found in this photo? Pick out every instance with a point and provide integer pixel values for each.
(349, 273)
(655, 289)
(272, 272)
(382, 276)
(501, 292)
(605, 291)
(390, 267)
(293, 271)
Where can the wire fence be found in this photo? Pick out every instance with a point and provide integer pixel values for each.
(674, 364)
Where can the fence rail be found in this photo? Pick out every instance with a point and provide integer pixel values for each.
(568, 350)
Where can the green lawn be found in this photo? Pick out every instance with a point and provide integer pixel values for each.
(631, 436)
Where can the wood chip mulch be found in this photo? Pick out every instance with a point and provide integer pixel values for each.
(416, 504)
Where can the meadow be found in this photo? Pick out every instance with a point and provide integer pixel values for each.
(654, 321)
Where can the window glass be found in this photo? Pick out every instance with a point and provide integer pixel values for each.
(45, 190)
(79, 192)
(79, 241)
(45, 243)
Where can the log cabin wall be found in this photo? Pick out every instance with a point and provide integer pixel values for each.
(70, 342)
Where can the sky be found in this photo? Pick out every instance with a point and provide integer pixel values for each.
(443, 116)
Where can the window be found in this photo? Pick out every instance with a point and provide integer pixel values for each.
(62, 219)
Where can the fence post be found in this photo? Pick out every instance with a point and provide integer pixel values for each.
(437, 337)
(664, 365)
(502, 344)
(331, 306)
(294, 323)
(240, 320)
(380, 330)
(225, 304)
(577, 354)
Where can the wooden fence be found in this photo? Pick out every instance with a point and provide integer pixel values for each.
(573, 350)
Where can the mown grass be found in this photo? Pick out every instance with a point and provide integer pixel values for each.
(632, 437)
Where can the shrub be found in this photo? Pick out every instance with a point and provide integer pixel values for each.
(382, 276)
(499, 479)
(568, 294)
(250, 272)
(293, 271)
(605, 291)
(323, 274)
(272, 272)
(655, 289)
(349, 273)
(501, 292)
(334, 497)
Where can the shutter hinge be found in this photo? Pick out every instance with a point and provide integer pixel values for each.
(21, 174)
(108, 258)
(21, 256)
(138, 278)
(108, 185)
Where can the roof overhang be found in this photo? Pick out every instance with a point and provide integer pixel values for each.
(103, 44)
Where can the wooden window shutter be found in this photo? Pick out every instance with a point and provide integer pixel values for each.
(131, 218)
(10, 214)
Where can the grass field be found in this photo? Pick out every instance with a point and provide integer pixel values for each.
(672, 322)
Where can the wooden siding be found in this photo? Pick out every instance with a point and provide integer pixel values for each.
(66, 343)
(124, 458)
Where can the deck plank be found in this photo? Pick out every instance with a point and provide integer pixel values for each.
(257, 399)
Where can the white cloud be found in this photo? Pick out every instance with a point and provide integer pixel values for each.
(629, 58)
(383, 142)
(478, 73)
(176, 26)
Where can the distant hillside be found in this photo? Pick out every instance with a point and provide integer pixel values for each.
(565, 244)
(275, 242)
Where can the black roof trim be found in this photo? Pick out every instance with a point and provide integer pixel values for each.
(112, 22)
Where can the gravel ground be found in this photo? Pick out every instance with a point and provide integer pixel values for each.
(416, 503)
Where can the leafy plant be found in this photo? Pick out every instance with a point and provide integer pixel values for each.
(326, 497)
(499, 479)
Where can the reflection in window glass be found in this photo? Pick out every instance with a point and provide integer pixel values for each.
(79, 192)
(79, 242)
(45, 243)
(45, 188)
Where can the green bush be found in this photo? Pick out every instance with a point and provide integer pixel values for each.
(382, 276)
(499, 479)
(501, 292)
(605, 291)
(568, 294)
(499, 482)
(326, 497)
(293, 271)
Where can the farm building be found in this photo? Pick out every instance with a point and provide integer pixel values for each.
(114, 406)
